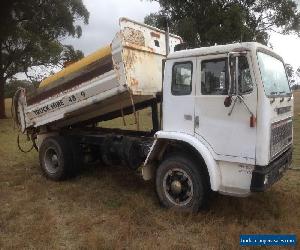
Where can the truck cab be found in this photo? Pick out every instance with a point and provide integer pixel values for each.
(232, 105)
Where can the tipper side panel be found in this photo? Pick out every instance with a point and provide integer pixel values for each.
(124, 74)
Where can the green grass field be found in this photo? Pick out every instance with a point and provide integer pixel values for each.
(113, 208)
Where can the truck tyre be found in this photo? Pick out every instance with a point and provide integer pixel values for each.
(57, 159)
(181, 183)
(77, 155)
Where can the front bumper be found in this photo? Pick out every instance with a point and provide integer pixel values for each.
(265, 176)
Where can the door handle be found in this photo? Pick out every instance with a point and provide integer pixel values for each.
(197, 121)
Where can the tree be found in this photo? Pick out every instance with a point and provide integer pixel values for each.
(12, 86)
(205, 22)
(295, 87)
(298, 72)
(70, 55)
(289, 70)
(31, 34)
(293, 76)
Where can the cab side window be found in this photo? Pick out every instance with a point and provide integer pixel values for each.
(214, 77)
(215, 80)
(182, 78)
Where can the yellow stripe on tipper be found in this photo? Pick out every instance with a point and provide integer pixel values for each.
(101, 53)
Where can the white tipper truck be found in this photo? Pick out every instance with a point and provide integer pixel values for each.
(224, 122)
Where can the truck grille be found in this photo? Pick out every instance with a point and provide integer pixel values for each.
(281, 136)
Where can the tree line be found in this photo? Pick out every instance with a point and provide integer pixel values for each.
(293, 75)
(205, 22)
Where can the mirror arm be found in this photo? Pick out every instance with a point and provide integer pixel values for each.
(241, 99)
(245, 104)
(231, 110)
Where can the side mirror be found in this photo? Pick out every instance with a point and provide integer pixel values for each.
(233, 71)
(228, 101)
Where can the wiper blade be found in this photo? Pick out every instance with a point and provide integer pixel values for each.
(274, 93)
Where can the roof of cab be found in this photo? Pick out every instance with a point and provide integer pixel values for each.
(217, 49)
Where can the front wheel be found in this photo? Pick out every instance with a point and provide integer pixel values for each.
(181, 183)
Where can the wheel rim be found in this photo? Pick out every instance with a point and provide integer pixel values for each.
(178, 187)
(51, 160)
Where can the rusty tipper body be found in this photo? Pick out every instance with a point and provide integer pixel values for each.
(109, 80)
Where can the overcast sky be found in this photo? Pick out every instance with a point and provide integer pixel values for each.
(105, 14)
(104, 21)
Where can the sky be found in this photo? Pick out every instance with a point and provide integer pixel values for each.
(288, 46)
(104, 21)
(104, 17)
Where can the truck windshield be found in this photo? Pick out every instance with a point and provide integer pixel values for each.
(273, 75)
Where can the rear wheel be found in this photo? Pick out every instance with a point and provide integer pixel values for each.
(181, 184)
(59, 157)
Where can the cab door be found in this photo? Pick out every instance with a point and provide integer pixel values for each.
(226, 130)
(179, 95)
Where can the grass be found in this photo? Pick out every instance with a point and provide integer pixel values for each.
(113, 208)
